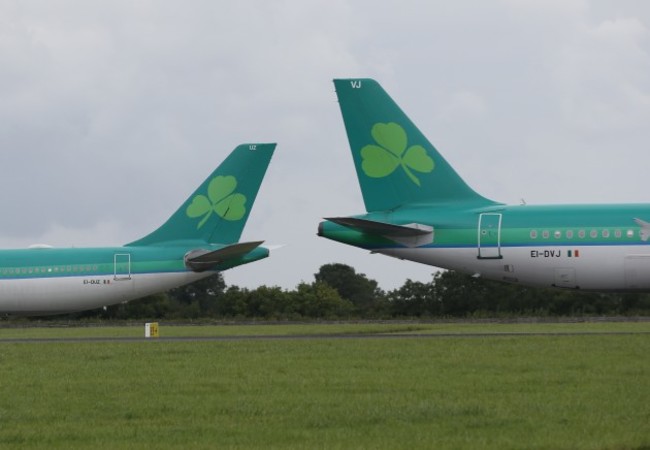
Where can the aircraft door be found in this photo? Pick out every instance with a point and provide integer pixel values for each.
(122, 266)
(489, 236)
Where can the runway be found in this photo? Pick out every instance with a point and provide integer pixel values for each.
(350, 336)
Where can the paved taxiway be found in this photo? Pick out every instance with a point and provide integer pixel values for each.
(307, 337)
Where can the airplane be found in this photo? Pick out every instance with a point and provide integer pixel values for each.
(419, 209)
(198, 240)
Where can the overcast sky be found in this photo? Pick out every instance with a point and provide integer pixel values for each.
(112, 112)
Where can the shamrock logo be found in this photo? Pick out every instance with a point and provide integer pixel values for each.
(221, 200)
(381, 160)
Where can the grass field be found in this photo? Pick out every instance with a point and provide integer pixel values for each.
(580, 391)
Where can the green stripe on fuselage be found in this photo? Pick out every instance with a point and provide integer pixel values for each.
(67, 262)
(561, 225)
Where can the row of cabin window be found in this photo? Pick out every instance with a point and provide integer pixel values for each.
(581, 234)
(55, 269)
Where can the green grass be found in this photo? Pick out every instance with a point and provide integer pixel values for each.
(584, 391)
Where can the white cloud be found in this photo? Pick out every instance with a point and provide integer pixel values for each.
(602, 75)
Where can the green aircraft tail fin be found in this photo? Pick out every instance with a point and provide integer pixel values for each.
(217, 211)
(396, 164)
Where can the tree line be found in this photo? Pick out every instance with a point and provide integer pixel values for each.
(339, 292)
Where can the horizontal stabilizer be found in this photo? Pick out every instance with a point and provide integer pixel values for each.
(410, 235)
(202, 260)
(645, 229)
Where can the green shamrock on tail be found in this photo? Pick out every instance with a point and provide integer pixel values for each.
(381, 160)
(221, 200)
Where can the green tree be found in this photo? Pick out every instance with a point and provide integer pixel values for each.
(233, 302)
(155, 306)
(355, 287)
(201, 297)
(269, 303)
(415, 299)
(320, 300)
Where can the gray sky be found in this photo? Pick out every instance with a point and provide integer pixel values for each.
(112, 112)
